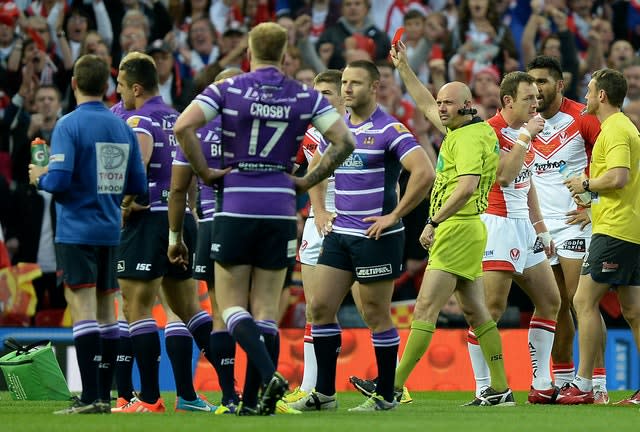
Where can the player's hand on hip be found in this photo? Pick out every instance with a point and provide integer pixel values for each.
(213, 174)
(178, 255)
(428, 236)
(380, 223)
(578, 217)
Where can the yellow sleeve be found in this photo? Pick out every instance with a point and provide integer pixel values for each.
(617, 151)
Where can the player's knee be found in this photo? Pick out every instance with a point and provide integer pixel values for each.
(321, 311)
(229, 312)
(631, 314)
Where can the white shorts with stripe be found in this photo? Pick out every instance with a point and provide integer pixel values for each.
(512, 245)
(571, 242)
(311, 243)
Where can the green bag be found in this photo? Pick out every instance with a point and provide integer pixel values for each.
(32, 372)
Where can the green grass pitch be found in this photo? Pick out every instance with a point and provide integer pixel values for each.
(430, 411)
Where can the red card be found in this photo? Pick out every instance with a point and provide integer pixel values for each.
(397, 36)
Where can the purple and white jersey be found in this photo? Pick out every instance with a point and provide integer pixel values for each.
(366, 181)
(119, 110)
(264, 117)
(209, 136)
(156, 119)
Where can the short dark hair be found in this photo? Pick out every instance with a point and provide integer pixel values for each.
(413, 14)
(367, 65)
(511, 82)
(55, 89)
(91, 74)
(330, 76)
(142, 71)
(613, 83)
(549, 63)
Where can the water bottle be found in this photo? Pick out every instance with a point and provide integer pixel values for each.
(39, 152)
(585, 196)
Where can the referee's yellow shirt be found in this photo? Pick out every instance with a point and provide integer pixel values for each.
(616, 213)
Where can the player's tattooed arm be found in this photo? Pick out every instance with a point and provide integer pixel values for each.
(333, 156)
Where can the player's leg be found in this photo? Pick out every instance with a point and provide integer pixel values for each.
(562, 351)
(629, 297)
(179, 345)
(539, 284)
(333, 276)
(107, 286)
(124, 357)
(221, 348)
(375, 300)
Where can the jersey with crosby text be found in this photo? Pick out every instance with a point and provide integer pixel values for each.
(567, 137)
(510, 201)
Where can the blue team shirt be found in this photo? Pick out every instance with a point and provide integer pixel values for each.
(101, 153)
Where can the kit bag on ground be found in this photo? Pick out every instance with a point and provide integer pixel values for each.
(32, 372)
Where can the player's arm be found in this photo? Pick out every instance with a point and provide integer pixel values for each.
(181, 175)
(421, 177)
(342, 143)
(615, 178)
(420, 94)
(191, 119)
(511, 161)
(145, 144)
(323, 219)
(537, 220)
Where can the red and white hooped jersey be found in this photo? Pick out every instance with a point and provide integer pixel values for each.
(510, 201)
(567, 137)
(308, 146)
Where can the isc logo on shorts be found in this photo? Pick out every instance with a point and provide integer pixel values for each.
(143, 267)
(373, 271)
(201, 269)
(120, 267)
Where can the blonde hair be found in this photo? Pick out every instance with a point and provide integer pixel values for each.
(268, 42)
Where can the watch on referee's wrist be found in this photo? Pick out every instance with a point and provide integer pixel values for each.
(585, 185)
(433, 223)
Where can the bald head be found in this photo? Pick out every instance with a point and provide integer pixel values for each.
(452, 98)
(457, 91)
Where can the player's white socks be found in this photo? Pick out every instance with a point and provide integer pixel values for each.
(310, 373)
(585, 385)
(600, 379)
(563, 373)
(541, 334)
(480, 368)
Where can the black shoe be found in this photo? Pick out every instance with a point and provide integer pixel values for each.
(273, 392)
(364, 386)
(243, 410)
(491, 397)
(79, 407)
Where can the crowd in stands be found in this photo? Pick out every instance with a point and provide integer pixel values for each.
(191, 41)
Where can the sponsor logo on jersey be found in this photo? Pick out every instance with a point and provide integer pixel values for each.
(400, 128)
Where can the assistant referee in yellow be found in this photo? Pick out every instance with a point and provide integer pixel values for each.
(613, 259)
